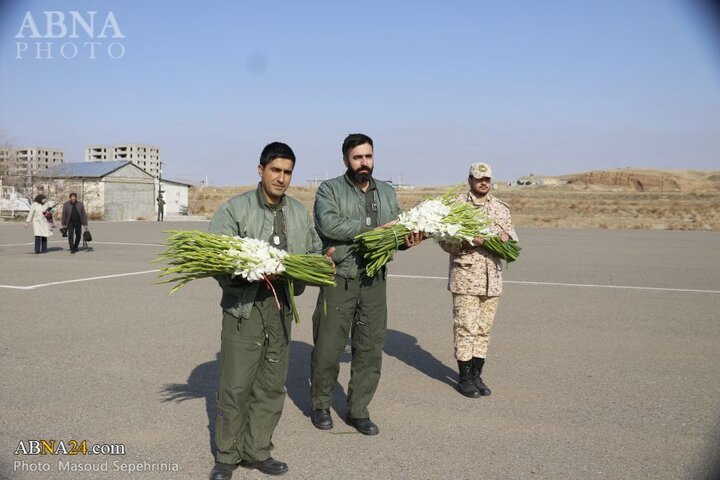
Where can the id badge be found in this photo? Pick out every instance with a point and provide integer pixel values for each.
(368, 221)
(276, 240)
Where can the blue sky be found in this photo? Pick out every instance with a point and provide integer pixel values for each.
(549, 87)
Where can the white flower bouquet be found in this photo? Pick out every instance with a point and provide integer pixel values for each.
(442, 218)
(191, 255)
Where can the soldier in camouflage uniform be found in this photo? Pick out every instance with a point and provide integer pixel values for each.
(475, 281)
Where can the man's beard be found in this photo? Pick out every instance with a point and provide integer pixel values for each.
(478, 193)
(360, 177)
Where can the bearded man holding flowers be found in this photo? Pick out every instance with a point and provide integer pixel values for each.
(345, 207)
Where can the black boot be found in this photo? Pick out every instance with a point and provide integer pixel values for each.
(269, 466)
(466, 386)
(363, 425)
(222, 471)
(320, 418)
(477, 366)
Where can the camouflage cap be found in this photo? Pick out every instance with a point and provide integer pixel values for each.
(480, 170)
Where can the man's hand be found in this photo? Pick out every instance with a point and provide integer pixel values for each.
(330, 252)
(477, 241)
(389, 224)
(414, 238)
(504, 237)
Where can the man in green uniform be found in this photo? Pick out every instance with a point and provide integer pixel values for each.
(345, 207)
(255, 339)
(161, 207)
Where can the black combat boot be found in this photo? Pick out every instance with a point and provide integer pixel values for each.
(466, 385)
(477, 366)
(222, 471)
(320, 417)
(269, 466)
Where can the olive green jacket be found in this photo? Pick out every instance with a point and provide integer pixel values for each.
(246, 215)
(340, 216)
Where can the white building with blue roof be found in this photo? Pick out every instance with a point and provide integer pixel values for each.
(116, 190)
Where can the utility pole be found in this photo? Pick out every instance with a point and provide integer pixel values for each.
(160, 179)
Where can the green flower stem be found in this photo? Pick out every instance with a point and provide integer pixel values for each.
(192, 255)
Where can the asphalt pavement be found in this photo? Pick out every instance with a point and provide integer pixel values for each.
(604, 363)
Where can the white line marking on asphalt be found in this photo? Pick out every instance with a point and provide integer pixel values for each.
(40, 285)
(422, 277)
(98, 243)
(416, 276)
(23, 244)
(620, 287)
(586, 285)
(132, 244)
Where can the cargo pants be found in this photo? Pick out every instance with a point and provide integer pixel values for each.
(357, 307)
(253, 368)
(473, 317)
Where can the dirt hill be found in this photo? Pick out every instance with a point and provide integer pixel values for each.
(648, 180)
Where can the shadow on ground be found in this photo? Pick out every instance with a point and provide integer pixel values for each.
(406, 348)
(203, 379)
(298, 382)
(202, 383)
(49, 250)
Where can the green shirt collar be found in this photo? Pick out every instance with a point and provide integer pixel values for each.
(262, 200)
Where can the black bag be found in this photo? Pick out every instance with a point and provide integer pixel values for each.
(63, 231)
(87, 237)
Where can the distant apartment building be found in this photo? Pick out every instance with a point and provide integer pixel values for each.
(26, 161)
(7, 156)
(146, 157)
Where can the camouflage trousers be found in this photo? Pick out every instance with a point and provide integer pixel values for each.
(473, 317)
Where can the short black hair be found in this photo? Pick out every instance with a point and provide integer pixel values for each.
(276, 150)
(354, 140)
(73, 194)
(39, 198)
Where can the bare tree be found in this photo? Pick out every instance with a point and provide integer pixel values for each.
(7, 152)
(11, 173)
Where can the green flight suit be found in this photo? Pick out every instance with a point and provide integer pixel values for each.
(357, 305)
(255, 339)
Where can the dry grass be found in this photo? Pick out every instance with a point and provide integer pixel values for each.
(614, 210)
(577, 205)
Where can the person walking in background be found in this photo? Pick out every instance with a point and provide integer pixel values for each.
(475, 281)
(161, 207)
(74, 218)
(346, 206)
(41, 228)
